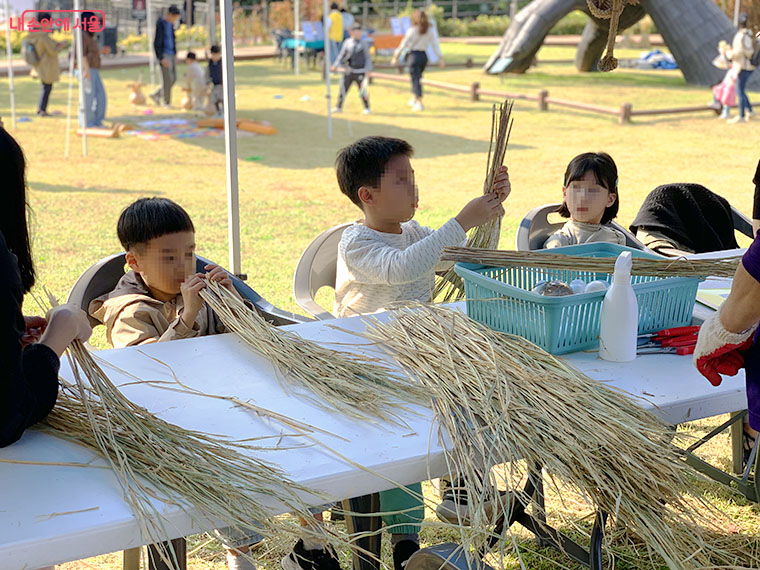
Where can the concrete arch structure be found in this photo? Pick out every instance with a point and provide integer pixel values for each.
(690, 28)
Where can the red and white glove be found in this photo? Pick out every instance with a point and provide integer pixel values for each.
(719, 351)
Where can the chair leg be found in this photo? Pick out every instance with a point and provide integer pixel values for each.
(131, 559)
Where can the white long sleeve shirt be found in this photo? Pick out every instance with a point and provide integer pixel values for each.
(415, 41)
(376, 269)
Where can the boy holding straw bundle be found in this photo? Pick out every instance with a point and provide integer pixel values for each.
(388, 258)
(159, 300)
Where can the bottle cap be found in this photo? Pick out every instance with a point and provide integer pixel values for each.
(624, 263)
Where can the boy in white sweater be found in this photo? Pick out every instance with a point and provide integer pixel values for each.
(388, 257)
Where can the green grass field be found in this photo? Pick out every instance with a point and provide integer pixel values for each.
(290, 195)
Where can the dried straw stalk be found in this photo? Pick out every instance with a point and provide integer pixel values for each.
(680, 267)
(354, 385)
(450, 287)
(219, 481)
(499, 398)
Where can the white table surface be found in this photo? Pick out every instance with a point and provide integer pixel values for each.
(31, 538)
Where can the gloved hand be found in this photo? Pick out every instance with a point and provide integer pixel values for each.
(719, 351)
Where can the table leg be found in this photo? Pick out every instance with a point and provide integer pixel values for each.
(131, 559)
(737, 449)
(180, 551)
(597, 536)
(359, 524)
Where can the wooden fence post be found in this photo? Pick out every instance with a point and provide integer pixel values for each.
(625, 113)
(474, 95)
(365, 13)
(542, 104)
(454, 10)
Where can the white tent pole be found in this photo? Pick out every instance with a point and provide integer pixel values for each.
(325, 21)
(230, 137)
(9, 53)
(71, 96)
(737, 10)
(78, 39)
(150, 33)
(297, 35)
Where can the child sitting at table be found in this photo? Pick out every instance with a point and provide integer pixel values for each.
(590, 199)
(387, 257)
(159, 300)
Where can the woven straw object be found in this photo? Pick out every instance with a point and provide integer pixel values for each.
(609, 10)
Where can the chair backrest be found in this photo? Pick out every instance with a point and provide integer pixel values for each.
(535, 228)
(103, 276)
(316, 269)
(319, 31)
(742, 223)
(308, 32)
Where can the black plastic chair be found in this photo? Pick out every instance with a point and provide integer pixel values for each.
(103, 276)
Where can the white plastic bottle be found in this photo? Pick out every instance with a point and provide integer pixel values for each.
(620, 315)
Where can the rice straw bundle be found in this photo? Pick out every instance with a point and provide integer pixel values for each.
(498, 398)
(486, 236)
(679, 267)
(156, 459)
(354, 385)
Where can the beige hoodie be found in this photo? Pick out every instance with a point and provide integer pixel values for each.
(132, 316)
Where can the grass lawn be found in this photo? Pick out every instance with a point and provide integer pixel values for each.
(290, 195)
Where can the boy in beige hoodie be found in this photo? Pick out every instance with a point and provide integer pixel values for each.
(159, 300)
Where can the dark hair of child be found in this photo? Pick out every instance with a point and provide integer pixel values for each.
(216, 49)
(149, 218)
(13, 214)
(363, 163)
(605, 171)
(190, 55)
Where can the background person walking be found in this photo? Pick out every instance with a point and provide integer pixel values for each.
(417, 40)
(166, 52)
(742, 48)
(46, 52)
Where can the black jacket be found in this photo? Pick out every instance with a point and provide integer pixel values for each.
(28, 378)
(158, 39)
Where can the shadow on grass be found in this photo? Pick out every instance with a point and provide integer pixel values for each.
(285, 149)
(45, 187)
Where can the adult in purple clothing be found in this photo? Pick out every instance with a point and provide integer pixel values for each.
(728, 340)
(29, 346)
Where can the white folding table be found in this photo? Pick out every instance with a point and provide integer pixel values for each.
(52, 514)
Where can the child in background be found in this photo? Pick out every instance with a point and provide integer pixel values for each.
(357, 63)
(388, 258)
(195, 80)
(590, 199)
(159, 300)
(216, 97)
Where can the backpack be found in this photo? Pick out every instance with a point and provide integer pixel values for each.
(30, 54)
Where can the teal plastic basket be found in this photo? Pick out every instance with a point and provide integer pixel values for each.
(501, 298)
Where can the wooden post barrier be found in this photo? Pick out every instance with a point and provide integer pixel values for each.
(625, 113)
(474, 96)
(542, 96)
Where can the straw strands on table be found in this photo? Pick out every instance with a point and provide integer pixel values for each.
(450, 287)
(680, 267)
(356, 386)
(152, 458)
(499, 398)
